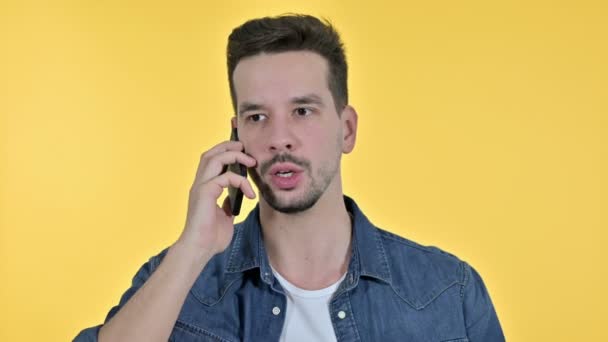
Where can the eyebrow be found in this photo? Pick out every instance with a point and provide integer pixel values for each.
(300, 100)
(308, 99)
(248, 106)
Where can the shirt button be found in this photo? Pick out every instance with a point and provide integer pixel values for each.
(341, 315)
(276, 310)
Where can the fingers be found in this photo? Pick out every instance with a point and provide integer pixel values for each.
(223, 147)
(217, 185)
(213, 161)
(217, 149)
(216, 164)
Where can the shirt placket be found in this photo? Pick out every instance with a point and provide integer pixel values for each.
(343, 319)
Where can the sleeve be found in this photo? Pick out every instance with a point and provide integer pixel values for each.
(142, 275)
(481, 321)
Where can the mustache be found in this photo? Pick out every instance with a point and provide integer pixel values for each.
(283, 158)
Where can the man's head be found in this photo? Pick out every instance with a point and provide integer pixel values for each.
(291, 33)
(288, 116)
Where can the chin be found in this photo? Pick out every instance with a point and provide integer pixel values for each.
(291, 203)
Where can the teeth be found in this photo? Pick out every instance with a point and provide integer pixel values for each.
(285, 174)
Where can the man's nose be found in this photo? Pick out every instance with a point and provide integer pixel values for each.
(281, 138)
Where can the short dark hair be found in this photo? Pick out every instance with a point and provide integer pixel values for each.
(291, 32)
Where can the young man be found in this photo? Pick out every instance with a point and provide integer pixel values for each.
(306, 264)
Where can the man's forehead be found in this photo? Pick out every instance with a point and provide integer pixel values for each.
(284, 75)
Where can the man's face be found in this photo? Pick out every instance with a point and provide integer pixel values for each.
(288, 122)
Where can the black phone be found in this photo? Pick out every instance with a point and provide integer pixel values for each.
(235, 194)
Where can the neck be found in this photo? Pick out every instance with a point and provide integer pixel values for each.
(310, 249)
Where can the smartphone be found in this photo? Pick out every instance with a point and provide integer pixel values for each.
(235, 194)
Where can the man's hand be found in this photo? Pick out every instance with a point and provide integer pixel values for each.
(209, 228)
(150, 314)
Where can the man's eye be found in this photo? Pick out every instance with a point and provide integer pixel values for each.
(303, 111)
(256, 117)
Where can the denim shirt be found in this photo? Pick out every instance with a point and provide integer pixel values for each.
(394, 290)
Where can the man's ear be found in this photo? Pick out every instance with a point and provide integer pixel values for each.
(349, 128)
(233, 122)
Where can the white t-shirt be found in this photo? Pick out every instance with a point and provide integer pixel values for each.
(307, 313)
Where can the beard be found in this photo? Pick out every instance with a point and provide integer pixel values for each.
(317, 187)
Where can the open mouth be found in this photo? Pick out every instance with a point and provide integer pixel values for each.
(284, 170)
(284, 174)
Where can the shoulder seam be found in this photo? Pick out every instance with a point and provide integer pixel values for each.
(465, 279)
(412, 244)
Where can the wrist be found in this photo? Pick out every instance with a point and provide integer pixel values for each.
(190, 251)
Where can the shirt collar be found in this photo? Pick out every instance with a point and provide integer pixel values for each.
(368, 255)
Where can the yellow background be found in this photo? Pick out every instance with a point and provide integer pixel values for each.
(482, 130)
